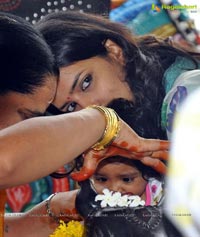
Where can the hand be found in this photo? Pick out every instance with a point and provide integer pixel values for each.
(150, 152)
(63, 206)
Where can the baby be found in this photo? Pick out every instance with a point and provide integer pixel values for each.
(129, 177)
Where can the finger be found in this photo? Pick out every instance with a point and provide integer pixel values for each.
(164, 145)
(154, 145)
(108, 152)
(90, 162)
(155, 164)
(163, 155)
(92, 159)
(83, 174)
(144, 145)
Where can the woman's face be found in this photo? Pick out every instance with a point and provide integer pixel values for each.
(95, 80)
(15, 107)
(119, 177)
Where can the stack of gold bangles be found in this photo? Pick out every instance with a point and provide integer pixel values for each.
(112, 127)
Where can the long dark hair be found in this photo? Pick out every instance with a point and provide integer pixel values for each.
(25, 58)
(75, 36)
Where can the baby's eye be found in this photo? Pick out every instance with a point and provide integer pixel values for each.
(101, 179)
(128, 179)
(71, 107)
(86, 82)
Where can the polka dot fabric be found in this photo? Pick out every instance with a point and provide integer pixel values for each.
(34, 10)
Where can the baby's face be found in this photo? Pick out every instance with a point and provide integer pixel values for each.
(119, 177)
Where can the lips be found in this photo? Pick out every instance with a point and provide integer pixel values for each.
(128, 193)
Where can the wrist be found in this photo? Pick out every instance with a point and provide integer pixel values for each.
(112, 127)
(50, 211)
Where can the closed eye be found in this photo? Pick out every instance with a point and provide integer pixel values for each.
(27, 114)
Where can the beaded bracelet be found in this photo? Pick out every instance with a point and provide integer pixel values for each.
(112, 127)
(48, 209)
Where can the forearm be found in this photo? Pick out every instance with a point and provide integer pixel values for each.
(36, 147)
(31, 224)
(37, 222)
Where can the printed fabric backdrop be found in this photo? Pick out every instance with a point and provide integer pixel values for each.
(33, 10)
(24, 197)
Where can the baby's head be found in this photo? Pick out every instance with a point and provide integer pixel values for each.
(122, 175)
(128, 177)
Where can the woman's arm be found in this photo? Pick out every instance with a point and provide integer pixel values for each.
(36, 147)
(36, 222)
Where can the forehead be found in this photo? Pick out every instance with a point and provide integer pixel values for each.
(39, 100)
(91, 63)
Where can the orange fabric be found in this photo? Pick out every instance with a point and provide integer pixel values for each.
(2, 211)
(116, 3)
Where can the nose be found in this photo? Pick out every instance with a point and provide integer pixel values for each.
(84, 101)
(117, 187)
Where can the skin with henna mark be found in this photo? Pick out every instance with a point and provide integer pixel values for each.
(147, 158)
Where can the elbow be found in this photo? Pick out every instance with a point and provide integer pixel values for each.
(6, 172)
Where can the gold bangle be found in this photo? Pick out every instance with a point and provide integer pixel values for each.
(48, 209)
(112, 127)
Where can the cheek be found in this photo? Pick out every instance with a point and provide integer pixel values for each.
(98, 187)
(86, 99)
(138, 187)
(8, 121)
(102, 97)
(9, 115)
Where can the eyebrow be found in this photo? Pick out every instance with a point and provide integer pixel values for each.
(134, 174)
(129, 174)
(77, 78)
